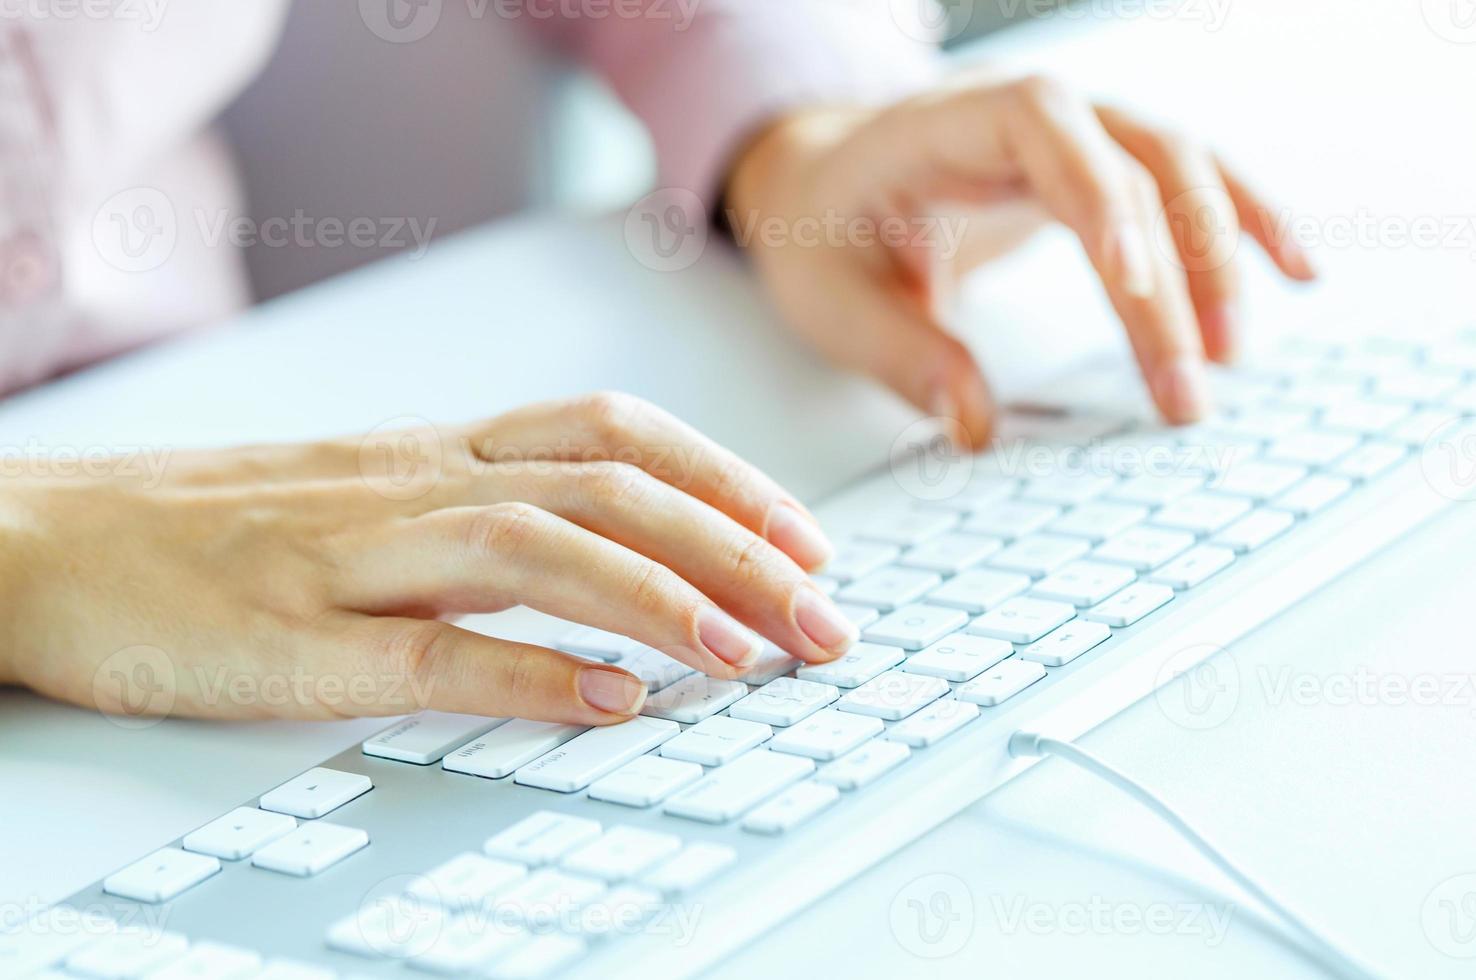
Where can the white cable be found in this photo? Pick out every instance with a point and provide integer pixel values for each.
(1308, 939)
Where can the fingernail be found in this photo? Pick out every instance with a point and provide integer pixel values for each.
(1182, 388)
(726, 639)
(818, 619)
(1130, 246)
(613, 691)
(797, 536)
(1221, 331)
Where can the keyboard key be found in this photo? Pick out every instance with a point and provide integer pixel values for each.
(951, 553)
(1061, 646)
(1192, 567)
(1144, 548)
(826, 584)
(544, 897)
(772, 662)
(1152, 490)
(585, 758)
(1312, 494)
(1098, 521)
(503, 750)
(1415, 429)
(914, 627)
(161, 876)
(933, 724)
(1261, 423)
(1003, 681)
(541, 956)
(1039, 554)
(859, 664)
(1009, 519)
(1311, 447)
(791, 808)
(1200, 513)
(826, 734)
(909, 527)
(424, 738)
(1369, 460)
(596, 644)
(541, 838)
(892, 696)
(465, 883)
(645, 781)
(693, 698)
(979, 590)
(293, 970)
(310, 849)
(622, 909)
(1364, 417)
(786, 700)
(621, 852)
(239, 833)
(464, 943)
(863, 766)
(690, 867)
(47, 938)
(1022, 620)
(1130, 605)
(856, 559)
(210, 961)
(958, 658)
(981, 492)
(742, 784)
(860, 616)
(655, 668)
(1258, 480)
(717, 741)
(390, 927)
(316, 792)
(1083, 583)
(1067, 489)
(889, 587)
(1254, 530)
(129, 952)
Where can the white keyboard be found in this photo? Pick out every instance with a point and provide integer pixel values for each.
(1076, 569)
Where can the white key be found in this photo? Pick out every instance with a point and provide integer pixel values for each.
(825, 735)
(622, 909)
(541, 956)
(540, 899)
(161, 876)
(655, 668)
(1369, 460)
(239, 833)
(745, 782)
(1067, 489)
(959, 657)
(979, 590)
(980, 493)
(860, 616)
(909, 527)
(689, 868)
(1003, 681)
(644, 781)
(596, 644)
(393, 927)
(1152, 490)
(1200, 513)
(293, 970)
(854, 559)
(1258, 480)
(1083, 583)
(464, 943)
(503, 750)
(1312, 494)
(893, 696)
(1415, 429)
(1023, 620)
(1130, 605)
(1061, 646)
(46, 939)
(210, 961)
(863, 766)
(1039, 554)
(1097, 521)
(933, 724)
(466, 882)
(1261, 423)
(1009, 519)
(316, 792)
(951, 553)
(914, 627)
(621, 853)
(1144, 548)
(1254, 530)
(716, 741)
(581, 760)
(541, 837)
(889, 587)
(791, 808)
(1364, 417)
(310, 849)
(772, 662)
(693, 698)
(131, 951)
(826, 584)
(785, 700)
(1318, 393)
(424, 738)
(1192, 567)
(859, 664)
(1311, 447)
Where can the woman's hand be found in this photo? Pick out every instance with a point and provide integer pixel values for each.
(1158, 215)
(326, 570)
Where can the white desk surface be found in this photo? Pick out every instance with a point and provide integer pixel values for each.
(1354, 812)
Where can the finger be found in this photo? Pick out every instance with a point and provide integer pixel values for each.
(626, 429)
(1260, 220)
(447, 668)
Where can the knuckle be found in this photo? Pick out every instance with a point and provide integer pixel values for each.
(751, 558)
(732, 479)
(612, 414)
(522, 679)
(651, 588)
(414, 650)
(504, 528)
(606, 482)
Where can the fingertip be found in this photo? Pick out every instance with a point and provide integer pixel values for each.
(1180, 386)
(1219, 325)
(798, 535)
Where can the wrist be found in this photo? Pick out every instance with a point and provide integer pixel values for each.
(776, 160)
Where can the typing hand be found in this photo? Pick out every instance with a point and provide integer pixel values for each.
(835, 207)
(314, 580)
